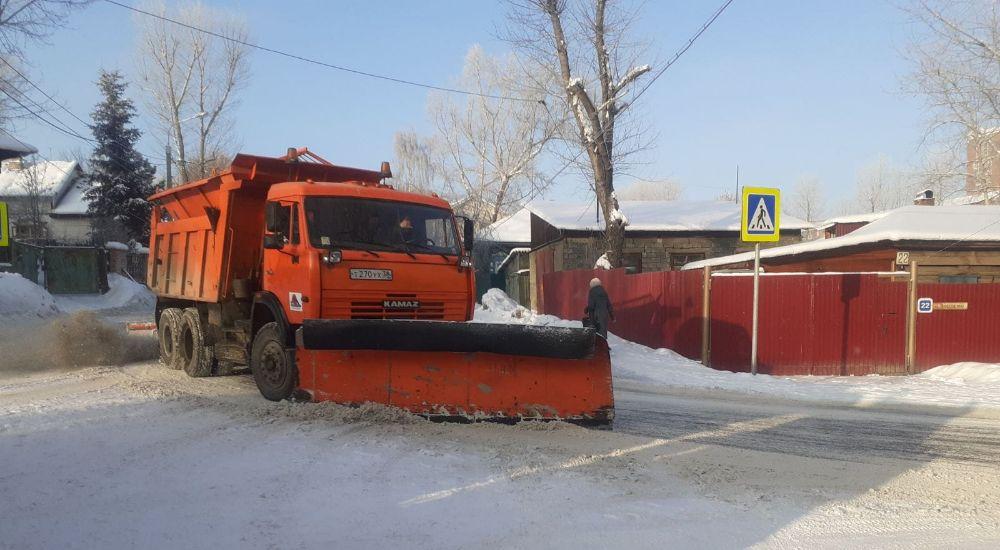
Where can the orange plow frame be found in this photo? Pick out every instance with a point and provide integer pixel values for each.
(464, 385)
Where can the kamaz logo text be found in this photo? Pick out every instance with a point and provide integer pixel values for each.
(401, 304)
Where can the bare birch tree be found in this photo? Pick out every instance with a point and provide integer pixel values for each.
(489, 144)
(588, 47)
(191, 77)
(956, 59)
(808, 201)
(880, 186)
(646, 190)
(26, 21)
(32, 183)
(416, 165)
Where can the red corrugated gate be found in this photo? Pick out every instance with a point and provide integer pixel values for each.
(821, 324)
(952, 336)
(810, 324)
(659, 309)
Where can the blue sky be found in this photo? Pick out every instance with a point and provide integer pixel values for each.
(782, 88)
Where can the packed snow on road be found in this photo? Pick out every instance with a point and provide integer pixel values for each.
(109, 449)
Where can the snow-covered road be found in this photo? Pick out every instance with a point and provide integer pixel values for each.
(142, 456)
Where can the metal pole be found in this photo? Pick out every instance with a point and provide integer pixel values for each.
(911, 321)
(756, 303)
(706, 326)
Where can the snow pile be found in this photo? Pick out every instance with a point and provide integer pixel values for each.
(965, 373)
(962, 385)
(497, 307)
(603, 262)
(22, 300)
(122, 293)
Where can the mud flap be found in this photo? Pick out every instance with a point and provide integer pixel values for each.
(452, 370)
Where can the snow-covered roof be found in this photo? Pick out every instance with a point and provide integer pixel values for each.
(513, 252)
(977, 198)
(866, 217)
(676, 215)
(943, 224)
(515, 228)
(72, 202)
(53, 176)
(13, 147)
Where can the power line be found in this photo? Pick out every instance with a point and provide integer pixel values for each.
(66, 131)
(315, 61)
(50, 98)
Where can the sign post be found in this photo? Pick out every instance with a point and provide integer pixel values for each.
(760, 222)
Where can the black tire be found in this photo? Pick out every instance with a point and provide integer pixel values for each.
(273, 366)
(168, 333)
(193, 355)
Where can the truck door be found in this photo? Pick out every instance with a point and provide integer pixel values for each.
(285, 271)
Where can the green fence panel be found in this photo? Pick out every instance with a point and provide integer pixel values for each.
(73, 270)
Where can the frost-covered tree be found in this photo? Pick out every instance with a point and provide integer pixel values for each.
(807, 199)
(649, 190)
(416, 165)
(880, 186)
(590, 49)
(489, 144)
(25, 21)
(956, 68)
(192, 82)
(121, 178)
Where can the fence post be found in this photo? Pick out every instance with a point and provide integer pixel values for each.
(911, 321)
(706, 325)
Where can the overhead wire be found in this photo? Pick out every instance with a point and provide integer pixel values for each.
(305, 59)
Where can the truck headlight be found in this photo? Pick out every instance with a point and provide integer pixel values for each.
(332, 257)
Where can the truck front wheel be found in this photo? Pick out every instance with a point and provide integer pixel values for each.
(273, 367)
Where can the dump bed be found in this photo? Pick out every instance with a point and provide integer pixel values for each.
(207, 234)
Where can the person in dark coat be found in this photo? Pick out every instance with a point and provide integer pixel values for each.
(599, 307)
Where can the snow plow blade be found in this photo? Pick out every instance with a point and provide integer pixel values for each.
(459, 371)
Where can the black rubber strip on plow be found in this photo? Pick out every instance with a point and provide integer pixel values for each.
(459, 337)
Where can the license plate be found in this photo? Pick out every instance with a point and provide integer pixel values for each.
(372, 274)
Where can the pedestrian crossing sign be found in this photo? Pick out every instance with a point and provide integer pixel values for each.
(761, 215)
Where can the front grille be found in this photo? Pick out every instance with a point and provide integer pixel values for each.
(375, 309)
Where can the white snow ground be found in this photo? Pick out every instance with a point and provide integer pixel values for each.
(970, 387)
(143, 456)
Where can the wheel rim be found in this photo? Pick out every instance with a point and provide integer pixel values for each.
(272, 364)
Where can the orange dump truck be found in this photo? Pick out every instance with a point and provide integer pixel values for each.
(332, 285)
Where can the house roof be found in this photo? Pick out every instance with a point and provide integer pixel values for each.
(510, 256)
(677, 215)
(515, 228)
(53, 176)
(933, 224)
(72, 202)
(866, 217)
(11, 147)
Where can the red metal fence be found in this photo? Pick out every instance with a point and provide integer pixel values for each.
(822, 324)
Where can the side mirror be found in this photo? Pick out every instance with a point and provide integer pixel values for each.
(468, 234)
(274, 241)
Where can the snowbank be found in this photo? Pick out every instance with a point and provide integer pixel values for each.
(22, 300)
(122, 293)
(962, 385)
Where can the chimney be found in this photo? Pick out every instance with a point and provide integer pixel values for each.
(924, 198)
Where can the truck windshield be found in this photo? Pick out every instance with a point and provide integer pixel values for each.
(380, 225)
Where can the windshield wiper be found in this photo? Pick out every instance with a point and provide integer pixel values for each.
(429, 249)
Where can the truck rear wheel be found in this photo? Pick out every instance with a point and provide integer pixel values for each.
(273, 367)
(168, 333)
(194, 356)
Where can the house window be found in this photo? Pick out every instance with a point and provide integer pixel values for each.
(679, 259)
(632, 262)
